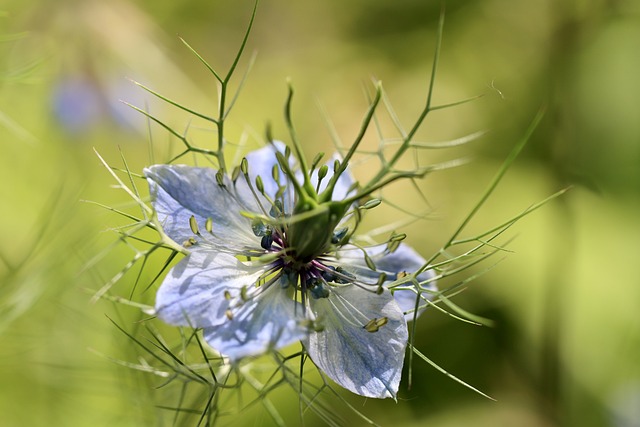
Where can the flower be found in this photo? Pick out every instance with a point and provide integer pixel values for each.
(271, 262)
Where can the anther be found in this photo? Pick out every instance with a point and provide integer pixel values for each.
(244, 166)
(375, 324)
(371, 326)
(220, 177)
(208, 225)
(393, 245)
(194, 225)
(398, 237)
(235, 174)
(381, 279)
(369, 262)
(382, 321)
(189, 242)
(394, 241)
(259, 184)
(371, 204)
(229, 314)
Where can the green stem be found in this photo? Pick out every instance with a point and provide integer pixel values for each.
(498, 177)
(296, 145)
(326, 195)
(406, 142)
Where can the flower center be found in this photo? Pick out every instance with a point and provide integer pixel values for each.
(307, 274)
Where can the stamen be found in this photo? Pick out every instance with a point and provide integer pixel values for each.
(351, 314)
(344, 276)
(316, 160)
(397, 237)
(371, 204)
(375, 324)
(369, 262)
(340, 276)
(392, 246)
(208, 225)
(189, 242)
(194, 225)
(394, 241)
(244, 166)
(371, 326)
(235, 174)
(381, 279)
(220, 177)
(259, 185)
(322, 173)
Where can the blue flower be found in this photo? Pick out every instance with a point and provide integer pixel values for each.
(270, 263)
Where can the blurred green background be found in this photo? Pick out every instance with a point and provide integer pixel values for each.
(565, 349)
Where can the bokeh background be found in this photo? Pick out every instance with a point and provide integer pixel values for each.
(565, 348)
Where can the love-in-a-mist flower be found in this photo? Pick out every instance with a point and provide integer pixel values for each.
(271, 261)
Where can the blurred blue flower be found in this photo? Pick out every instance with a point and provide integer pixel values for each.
(252, 286)
(77, 103)
(82, 101)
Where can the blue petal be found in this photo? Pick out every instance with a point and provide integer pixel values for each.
(179, 191)
(366, 363)
(193, 293)
(270, 320)
(404, 259)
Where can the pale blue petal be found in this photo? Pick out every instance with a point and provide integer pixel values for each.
(193, 293)
(179, 191)
(270, 320)
(404, 259)
(366, 363)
